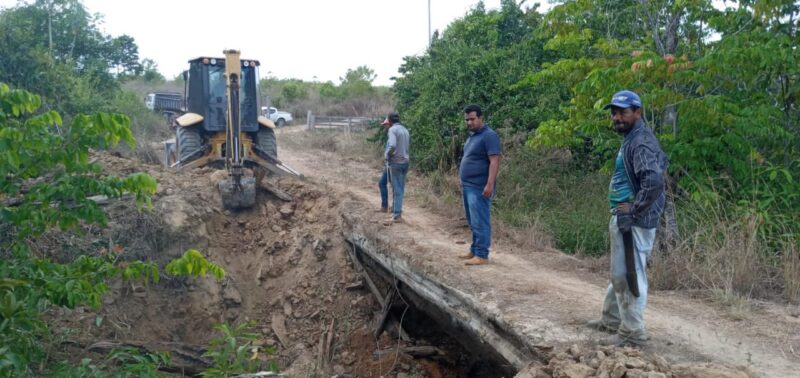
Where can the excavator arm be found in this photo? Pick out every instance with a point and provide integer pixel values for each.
(237, 191)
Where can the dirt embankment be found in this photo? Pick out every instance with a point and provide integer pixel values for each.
(287, 272)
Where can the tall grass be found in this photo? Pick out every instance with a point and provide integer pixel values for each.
(722, 251)
(545, 189)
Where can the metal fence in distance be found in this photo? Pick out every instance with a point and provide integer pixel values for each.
(345, 124)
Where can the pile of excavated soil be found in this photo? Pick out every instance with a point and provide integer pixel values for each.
(287, 272)
(611, 362)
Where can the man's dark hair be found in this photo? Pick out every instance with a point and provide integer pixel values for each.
(474, 108)
(393, 117)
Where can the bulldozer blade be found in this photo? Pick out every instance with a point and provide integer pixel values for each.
(238, 196)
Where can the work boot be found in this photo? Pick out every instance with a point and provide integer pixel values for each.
(382, 210)
(620, 341)
(466, 256)
(477, 261)
(600, 325)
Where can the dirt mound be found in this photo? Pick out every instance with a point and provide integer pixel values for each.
(286, 265)
(611, 362)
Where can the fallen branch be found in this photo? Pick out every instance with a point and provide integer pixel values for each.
(387, 305)
(100, 200)
(274, 190)
(425, 351)
(184, 358)
(279, 327)
(360, 269)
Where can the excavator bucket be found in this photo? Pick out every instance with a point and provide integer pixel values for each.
(238, 195)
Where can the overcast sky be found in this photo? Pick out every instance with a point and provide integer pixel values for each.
(304, 39)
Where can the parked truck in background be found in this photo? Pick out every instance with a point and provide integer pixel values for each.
(169, 104)
(280, 117)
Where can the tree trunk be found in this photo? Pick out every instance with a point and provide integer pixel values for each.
(666, 43)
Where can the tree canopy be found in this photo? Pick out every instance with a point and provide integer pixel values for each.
(720, 88)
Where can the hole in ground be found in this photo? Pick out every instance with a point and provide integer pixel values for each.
(428, 325)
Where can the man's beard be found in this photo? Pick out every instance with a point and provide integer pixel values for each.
(622, 127)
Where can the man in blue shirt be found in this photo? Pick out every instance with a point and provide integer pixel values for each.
(478, 172)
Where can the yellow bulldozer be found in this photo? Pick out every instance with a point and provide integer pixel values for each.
(221, 127)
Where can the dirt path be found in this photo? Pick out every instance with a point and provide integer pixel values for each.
(554, 294)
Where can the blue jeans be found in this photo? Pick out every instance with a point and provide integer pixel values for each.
(477, 209)
(382, 185)
(397, 175)
(620, 308)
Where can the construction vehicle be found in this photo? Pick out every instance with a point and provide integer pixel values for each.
(222, 127)
(169, 104)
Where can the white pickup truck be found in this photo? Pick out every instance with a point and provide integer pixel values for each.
(280, 117)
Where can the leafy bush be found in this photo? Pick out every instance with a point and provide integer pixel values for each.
(546, 188)
(233, 352)
(193, 264)
(46, 180)
(121, 362)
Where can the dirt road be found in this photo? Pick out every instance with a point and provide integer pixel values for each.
(552, 294)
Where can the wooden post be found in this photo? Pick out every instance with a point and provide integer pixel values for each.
(309, 120)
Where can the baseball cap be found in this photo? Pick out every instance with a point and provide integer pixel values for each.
(625, 99)
(385, 122)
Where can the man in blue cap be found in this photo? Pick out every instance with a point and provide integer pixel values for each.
(636, 199)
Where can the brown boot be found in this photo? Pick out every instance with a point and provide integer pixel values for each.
(477, 261)
(466, 256)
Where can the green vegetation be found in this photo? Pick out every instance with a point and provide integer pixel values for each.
(353, 96)
(233, 352)
(720, 88)
(46, 180)
(193, 264)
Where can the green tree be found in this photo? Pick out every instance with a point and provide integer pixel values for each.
(478, 59)
(294, 91)
(46, 180)
(150, 72)
(54, 48)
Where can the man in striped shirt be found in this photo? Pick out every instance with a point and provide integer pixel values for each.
(636, 199)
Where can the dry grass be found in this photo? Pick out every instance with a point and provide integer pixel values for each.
(790, 262)
(726, 259)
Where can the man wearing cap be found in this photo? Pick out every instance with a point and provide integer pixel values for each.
(396, 156)
(478, 172)
(384, 181)
(636, 199)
